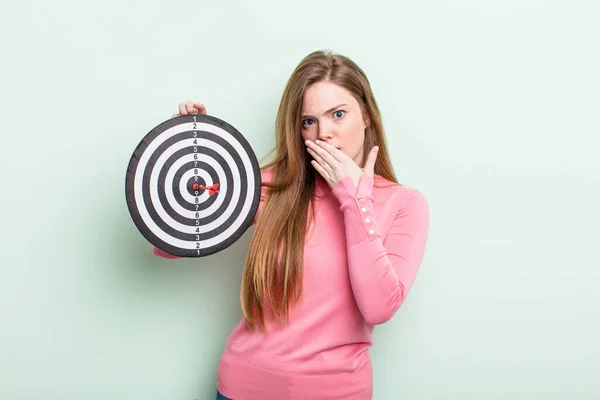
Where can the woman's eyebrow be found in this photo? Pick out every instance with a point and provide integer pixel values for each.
(328, 111)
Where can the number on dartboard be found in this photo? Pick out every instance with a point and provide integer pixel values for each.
(195, 134)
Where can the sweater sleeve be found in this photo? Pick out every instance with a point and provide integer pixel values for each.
(163, 254)
(382, 270)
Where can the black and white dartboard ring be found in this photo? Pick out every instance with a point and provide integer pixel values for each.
(193, 185)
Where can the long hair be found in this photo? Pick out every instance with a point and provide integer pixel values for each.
(272, 278)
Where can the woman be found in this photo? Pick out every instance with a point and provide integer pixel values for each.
(336, 248)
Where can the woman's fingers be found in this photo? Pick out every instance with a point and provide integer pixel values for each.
(191, 108)
(326, 157)
(317, 157)
(201, 109)
(335, 153)
(321, 171)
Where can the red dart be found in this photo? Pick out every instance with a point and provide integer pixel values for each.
(212, 189)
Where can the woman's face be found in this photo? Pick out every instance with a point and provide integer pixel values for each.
(331, 113)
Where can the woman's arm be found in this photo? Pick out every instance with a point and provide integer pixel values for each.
(382, 269)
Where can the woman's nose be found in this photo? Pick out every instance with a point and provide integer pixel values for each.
(326, 131)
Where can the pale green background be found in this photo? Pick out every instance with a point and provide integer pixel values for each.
(491, 109)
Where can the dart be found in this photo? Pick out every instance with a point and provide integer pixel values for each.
(214, 189)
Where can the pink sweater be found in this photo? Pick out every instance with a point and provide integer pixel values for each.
(360, 262)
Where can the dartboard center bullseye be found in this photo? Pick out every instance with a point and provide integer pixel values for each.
(195, 184)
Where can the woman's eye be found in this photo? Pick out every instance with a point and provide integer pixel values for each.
(307, 122)
(338, 114)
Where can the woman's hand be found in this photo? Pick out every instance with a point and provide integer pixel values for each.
(333, 165)
(190, 108)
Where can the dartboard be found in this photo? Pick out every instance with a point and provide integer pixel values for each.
(193, 185)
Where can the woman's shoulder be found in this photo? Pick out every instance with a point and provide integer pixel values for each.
(266, 176)
(266, 173)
